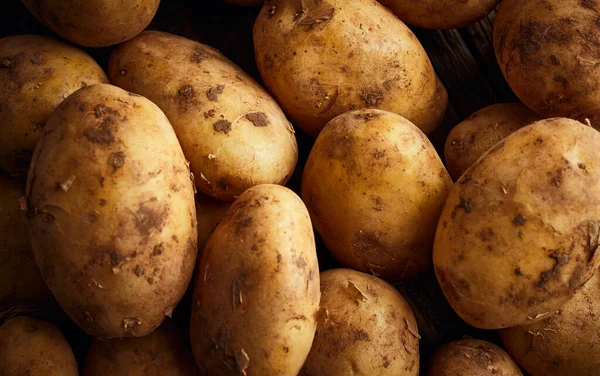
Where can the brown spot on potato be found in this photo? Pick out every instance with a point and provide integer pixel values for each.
(101, 110)
(210, 113)
(367, 116)
(148, 219)
(117, 160)
(116, 258)
(317, 15)
(555, 60)
(222, 126)
(102, 202)
(186, 92)
(38, 59)
(518, 272)
(99, 135)
(519, 220)
(554, 273)
(12, 62)
(138, 271)
(259, 119)
(371, 97)
(589, 4)
(533, 35)
(378, 153)
(465, 203)
(213, 93)
(200, 55)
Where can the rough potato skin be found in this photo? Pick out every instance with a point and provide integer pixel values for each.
(209, 213)
(470, 139)
(519, 231)
(364, 327)
(111, 212)
(256, 293)
(231, 130)
(472, 357)
(36, 74)
(94, 23)
(323, 58)
(566, 343)
(548, 52)
(375, 187)
(34, 347)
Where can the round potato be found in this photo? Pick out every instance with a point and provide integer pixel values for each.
(321, 59)
(364, 327)
(470, 139)
(519, 231)
(34, 347)
(472, 357)
(232, 132)
(94, 23)
(209, 213)
(36, 74)
(375, 187)
(256, 293)
(111, 212)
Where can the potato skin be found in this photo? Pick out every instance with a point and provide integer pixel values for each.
(364, 327)
(517, 236)
(470, 139)
(111, 212)
(256, 292)
(94, 23)
(369, 174)
(232, 132)
(34, 347)
(39, 73)
(321, 59)
(472, 357)
(209, 213)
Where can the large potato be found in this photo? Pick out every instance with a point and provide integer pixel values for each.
(323, 58)
(209, 213)
(375, 187)
(519, 231)
(232, 132)
(94, 23)
(111, 212)
(256, 292)
(470, 139)
(364, 327)
(36, 74)
(32, 347)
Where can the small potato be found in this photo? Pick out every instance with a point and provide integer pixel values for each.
(111, 212)
(375, 187)
(256, 292)
(209, 213)
(519, 231)
(472, 357)
(36, 74)
(470, 139)
(364, 327)
(34, 347)
(231, 130)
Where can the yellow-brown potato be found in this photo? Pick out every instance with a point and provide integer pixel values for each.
(34, 347)
(323, 58)
(94, 23)
(364, 327)
(111, 212)
(209, 213)
(567, 343)
(519, 231)
(375, 187)
(472, 357)
(256, 293)
(231, 130)
(36, 74)
(470, 139)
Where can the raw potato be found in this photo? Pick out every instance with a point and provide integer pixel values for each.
(209, 213)
(472, 357)
(111, 212)
(470, 139)
(323, 58)
(94, 23)
(34, 347)
(231, 130)
(567, 343)
(375, 188)
(519, 231)
(36, 74)
(364, 327)
(256, 293)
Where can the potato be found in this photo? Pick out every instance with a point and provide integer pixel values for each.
(321, 59)
(39, 73)
(209, 213)
(470, 139)
(256, 292)
(375, 187)
(111, 212)
(519, 231)
(364, 327)
(472, 357)
(567, 343)
(34, 347)
(231, 130)
(547, 52)
(94, 23)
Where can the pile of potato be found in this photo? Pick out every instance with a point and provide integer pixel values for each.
(144, 196)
